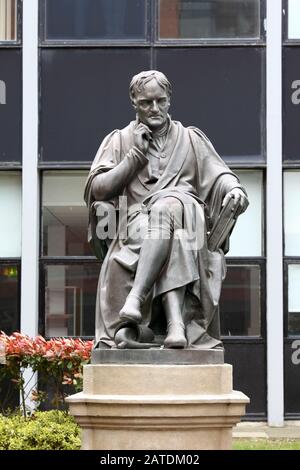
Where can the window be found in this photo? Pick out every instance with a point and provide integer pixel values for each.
(217, 19)
(70, 296)
(8, 20)
(65, 216)
(291, 213)
(9, 297)
(10, 214)
(212, 89)
(294, 299)
(245, 242)
(79, 108)
(69, 280)
(240, 303)
(293, 19)
(95, 19)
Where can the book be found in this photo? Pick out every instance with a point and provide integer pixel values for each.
(223, 225)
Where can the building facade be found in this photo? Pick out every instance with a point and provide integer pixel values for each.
(65, 68)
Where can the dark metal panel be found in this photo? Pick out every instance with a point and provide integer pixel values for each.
(221, 92)
(291, 103)
(84, 96)
(249, 373)
(10, 105)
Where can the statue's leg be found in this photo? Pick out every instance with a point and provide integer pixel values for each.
(153, 255)
(173, 306)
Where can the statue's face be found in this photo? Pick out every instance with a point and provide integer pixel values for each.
(152, 105)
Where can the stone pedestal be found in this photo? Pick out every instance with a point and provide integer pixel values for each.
(157, 406)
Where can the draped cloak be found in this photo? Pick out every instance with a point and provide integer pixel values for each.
(191, 171)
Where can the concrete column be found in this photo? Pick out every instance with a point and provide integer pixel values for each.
(274, 215)
(30, 181)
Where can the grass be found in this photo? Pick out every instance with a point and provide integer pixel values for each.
(266, 444)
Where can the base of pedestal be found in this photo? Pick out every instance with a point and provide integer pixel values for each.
(154, 407)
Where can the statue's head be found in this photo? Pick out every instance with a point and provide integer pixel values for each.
(150, 93)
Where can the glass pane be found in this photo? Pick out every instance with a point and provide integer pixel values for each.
(291, 213)
(291, 103)
(70, 297)
(245, 242)
(8, 20)
(78, 109)
(65, 216)
(293, 19)
(9, 298)
(10, 105)
(95, 19)
(10, 214)
(212, 88)
(294, 299)
(240, 302)
(191, 19)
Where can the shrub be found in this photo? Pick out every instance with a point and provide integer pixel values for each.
(60, 359)
(48, 430)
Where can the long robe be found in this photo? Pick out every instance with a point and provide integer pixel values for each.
(191, 171)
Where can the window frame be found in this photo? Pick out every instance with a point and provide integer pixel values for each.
(262, 169)
(12, 43)
(261, 262)
(42, 173)
(287, 261)
(209, 41)
(44, 42)
(44, 262)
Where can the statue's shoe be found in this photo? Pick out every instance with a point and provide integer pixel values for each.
(132, 309)
(176, 336)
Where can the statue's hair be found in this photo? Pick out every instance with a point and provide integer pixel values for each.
(139, 81)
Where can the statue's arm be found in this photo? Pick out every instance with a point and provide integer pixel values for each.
(110, 184)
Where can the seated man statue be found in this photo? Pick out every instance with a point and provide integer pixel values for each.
(168, 186)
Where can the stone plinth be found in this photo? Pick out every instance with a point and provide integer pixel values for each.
(158, 356)
(157, 406)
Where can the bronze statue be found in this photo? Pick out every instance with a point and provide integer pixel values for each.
(167, 185)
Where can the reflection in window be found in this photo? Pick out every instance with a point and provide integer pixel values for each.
(245, 242)
(291, 213)
(9, 298)
(240, 301)
(95, 19)
(192, 19)
(10, 214)
(293, 19)
(8, 17)
(65, 216)
(70, 296)
(294, 299)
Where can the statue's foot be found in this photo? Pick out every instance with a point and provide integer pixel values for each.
(132, 309)
(176, 336)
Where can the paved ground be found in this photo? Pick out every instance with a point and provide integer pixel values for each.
(256, 430)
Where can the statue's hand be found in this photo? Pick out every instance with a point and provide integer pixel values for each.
(141, 137)
(240, 199)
